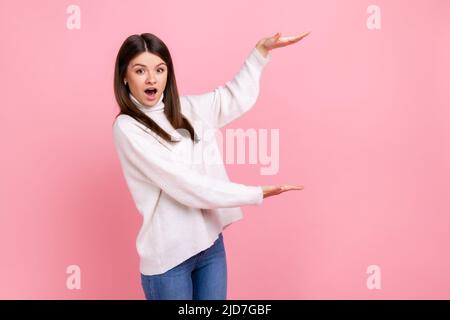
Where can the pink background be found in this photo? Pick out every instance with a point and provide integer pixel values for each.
(364, 123)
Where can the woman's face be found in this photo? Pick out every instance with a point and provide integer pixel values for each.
(144, 72)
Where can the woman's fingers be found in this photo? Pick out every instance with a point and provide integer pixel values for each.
(274, 190)
(277, 41)
(288, 187)
(303, 35)
(291, 187)
(292, 39)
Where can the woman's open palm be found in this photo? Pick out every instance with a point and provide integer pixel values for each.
(274, 190)
(276, 41)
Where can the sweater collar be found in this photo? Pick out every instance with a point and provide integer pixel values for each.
(158, 107)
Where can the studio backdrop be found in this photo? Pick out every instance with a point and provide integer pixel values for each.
(358, 113)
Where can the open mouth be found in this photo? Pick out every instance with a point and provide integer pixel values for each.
(151, 92)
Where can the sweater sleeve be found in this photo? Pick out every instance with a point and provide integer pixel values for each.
(157, 164)
(237, 96)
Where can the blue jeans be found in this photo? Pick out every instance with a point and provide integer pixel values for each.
(201, 277)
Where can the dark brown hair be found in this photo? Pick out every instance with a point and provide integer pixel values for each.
(133, 46)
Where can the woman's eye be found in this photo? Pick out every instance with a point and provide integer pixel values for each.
(138, 71)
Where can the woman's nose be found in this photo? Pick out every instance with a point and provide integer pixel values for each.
(151, 77)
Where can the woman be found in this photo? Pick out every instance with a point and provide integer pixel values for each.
(174, 172)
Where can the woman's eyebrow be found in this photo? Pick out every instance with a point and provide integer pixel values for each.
(143, 65)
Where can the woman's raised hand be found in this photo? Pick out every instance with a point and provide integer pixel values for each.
(276, 41)
(274, 190)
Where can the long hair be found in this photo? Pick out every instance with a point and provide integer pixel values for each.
(131, 47)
